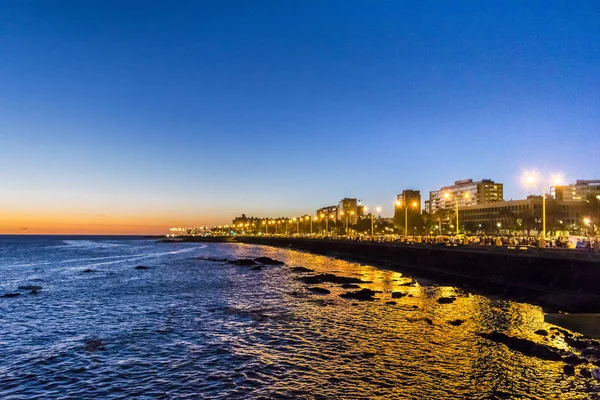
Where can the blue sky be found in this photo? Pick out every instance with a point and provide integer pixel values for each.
(155, 113)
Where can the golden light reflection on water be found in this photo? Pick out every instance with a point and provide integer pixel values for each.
(349, 349)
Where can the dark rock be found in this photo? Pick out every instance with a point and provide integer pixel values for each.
(330, 278)
(301, 269)
(392, 303)
(34, 292)
(318, 290)
(574, 360)
(350, 286)
(569, 370)
(457, 322)
(586, 373)
(364, 295)
(9, 295)
(141, 267)
(92, 345)
(410, 295)
(446, 300)
(244, 262)
(268, 261)
(214, 259)
(30, 287)
(257, 268)
(88, 270)
(577, 344)
(398, 295)
(524, 346)
(415, 307)
(410, 283)
(541, 332)
(429, 321)
(564, 332)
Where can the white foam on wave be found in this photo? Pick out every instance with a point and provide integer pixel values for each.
(123, 258)
(91, 244)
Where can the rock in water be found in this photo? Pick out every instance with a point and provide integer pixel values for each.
(429, 321)
(569, 370)
(391, 303)
(446, 300)
(456, 322)
(541, 332)
(301, 269)
(318, 290)
(268, 261)
(141, 267)
(330, 278)
(364, 295)
(88, 270)
(350, 286)
(30, 287)
(257, 268)
(9, 295)
(524, 346)
(398, 295)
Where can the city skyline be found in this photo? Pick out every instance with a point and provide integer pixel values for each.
(116, 118)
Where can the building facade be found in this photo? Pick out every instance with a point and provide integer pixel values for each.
(409, 197)
(328, 212)
(578, 191)
(348, 208)
(466, 192)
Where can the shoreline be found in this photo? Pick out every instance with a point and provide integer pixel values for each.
(484, 273)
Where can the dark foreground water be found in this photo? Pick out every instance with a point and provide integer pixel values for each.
(188, 328)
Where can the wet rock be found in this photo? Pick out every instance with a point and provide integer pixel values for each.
(244, 262)
(391, 303)
(331, 278)
(524, 346)
(586, 373)
(268, 261)
(577, 344)
(409, 283)
(350, 286)
(456, 322)
(574, 360)
(446, 300)
(213, 259)
(363, 295)
(9, 295)
(318, 290)
(92, 345)
(257, 268)
(563, 331)
(410, 295)
(541, 332)
(415, 307)
(301, 269)
(429, 321)
(88, 270)
(30, 287)
(569, 370)
(141, 267)
(34, 292)
(398, 295)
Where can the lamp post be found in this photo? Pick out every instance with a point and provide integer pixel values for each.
(399, 203)
(530, 179)
(466, 196)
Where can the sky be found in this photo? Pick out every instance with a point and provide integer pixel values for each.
(129, 117)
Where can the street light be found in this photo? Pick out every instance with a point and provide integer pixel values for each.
(530, 179)
(466, 196)
(414, 205)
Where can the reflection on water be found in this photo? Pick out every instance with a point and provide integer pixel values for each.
(189, 327)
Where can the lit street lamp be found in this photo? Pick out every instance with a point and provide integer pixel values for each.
(399, 203)
(530, 179)
(447, 197)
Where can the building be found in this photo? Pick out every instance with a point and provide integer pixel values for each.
(328, 212)
(348, 208)
(466, 192)
(409, 197)
(514, 214)
(578, 191)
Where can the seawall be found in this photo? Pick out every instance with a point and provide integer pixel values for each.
(555, 281)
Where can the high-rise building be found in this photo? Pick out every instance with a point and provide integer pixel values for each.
(348, 208)
(328, 212)
(466, 192)
(580, 190)
(409, 197)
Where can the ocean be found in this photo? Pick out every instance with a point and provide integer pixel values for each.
(188, 327)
